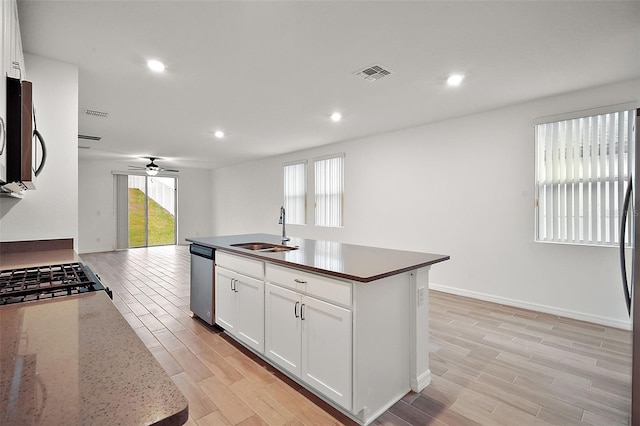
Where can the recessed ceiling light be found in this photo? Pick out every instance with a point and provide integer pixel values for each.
(155, 65)
(455, 79)
(336, 116)
(218, 134)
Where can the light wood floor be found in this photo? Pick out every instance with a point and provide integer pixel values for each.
(491, 364)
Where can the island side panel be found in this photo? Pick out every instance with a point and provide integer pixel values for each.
(419, 329)
(381, 345)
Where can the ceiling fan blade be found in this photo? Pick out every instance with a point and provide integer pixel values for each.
(153, 166)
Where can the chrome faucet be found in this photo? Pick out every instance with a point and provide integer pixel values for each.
(282, 222)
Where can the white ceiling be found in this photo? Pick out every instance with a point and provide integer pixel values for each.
(271, 73)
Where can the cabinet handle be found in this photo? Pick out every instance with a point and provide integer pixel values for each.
(232, 284)
(300, 281)
(302, 311)
(235, 286)
(295, 310)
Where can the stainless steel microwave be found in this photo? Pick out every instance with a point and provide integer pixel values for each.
(22, 138)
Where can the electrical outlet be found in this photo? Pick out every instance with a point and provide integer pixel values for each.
(420, 296)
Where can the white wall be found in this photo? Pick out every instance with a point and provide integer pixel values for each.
(194, 204)
(463, 187)
(51, 211)
(97, 223)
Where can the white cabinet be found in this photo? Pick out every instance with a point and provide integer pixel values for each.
(15, 65)
(240, 299)
(4, 32)
(310, 339)
(283, 328)
(250, 296)
(226, 304)
(326, 333)
(240, 307)
(12, 55)
(326, 349)
(11, 64)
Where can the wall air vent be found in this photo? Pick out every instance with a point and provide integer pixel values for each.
(94, 113)
(373, 73)
(89, 138)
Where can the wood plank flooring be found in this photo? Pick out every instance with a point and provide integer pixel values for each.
(491, 364)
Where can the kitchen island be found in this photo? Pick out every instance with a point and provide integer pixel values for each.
(76, 361)
(348, 322)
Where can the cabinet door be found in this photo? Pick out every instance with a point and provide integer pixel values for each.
(12, 41)
(226, 304)
(283, 328)
(16, 55)
(250, 319)
(5, 34)
(326, 349)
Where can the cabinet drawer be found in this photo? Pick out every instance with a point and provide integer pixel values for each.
(242, 265)
(315, 285)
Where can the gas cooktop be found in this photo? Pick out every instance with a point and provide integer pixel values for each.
(47, 282)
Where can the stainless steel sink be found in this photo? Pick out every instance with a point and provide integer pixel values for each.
(264, 247)
(254, 246)
(281, 248)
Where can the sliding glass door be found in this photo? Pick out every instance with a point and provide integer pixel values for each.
(151, 211)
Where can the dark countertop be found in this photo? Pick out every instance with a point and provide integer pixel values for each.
(76, 361)
(349, 261)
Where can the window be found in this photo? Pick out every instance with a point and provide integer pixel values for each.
(295, 192)
(329, 186)
(582, 172)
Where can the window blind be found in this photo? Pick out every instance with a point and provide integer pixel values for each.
(329, 191)
(295, 193)
(582, 171)
(122, 210)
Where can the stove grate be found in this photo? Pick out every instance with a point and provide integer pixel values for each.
(34, 283)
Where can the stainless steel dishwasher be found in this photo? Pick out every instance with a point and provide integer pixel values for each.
(201, 300)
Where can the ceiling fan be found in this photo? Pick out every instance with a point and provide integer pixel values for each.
(152, 168)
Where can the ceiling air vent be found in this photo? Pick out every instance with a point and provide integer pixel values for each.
(95, 113)
(89, 138)
(373, 73)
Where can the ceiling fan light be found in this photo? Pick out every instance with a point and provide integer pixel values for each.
(152, 171)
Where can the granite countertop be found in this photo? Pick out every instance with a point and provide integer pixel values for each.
(37, 258)
(349, 261)
(76, 361)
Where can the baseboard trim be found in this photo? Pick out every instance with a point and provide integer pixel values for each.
(95, 250)
(371, 417)
(596, 319)
(417, 385)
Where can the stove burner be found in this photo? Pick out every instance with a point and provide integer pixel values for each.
(46, 282)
